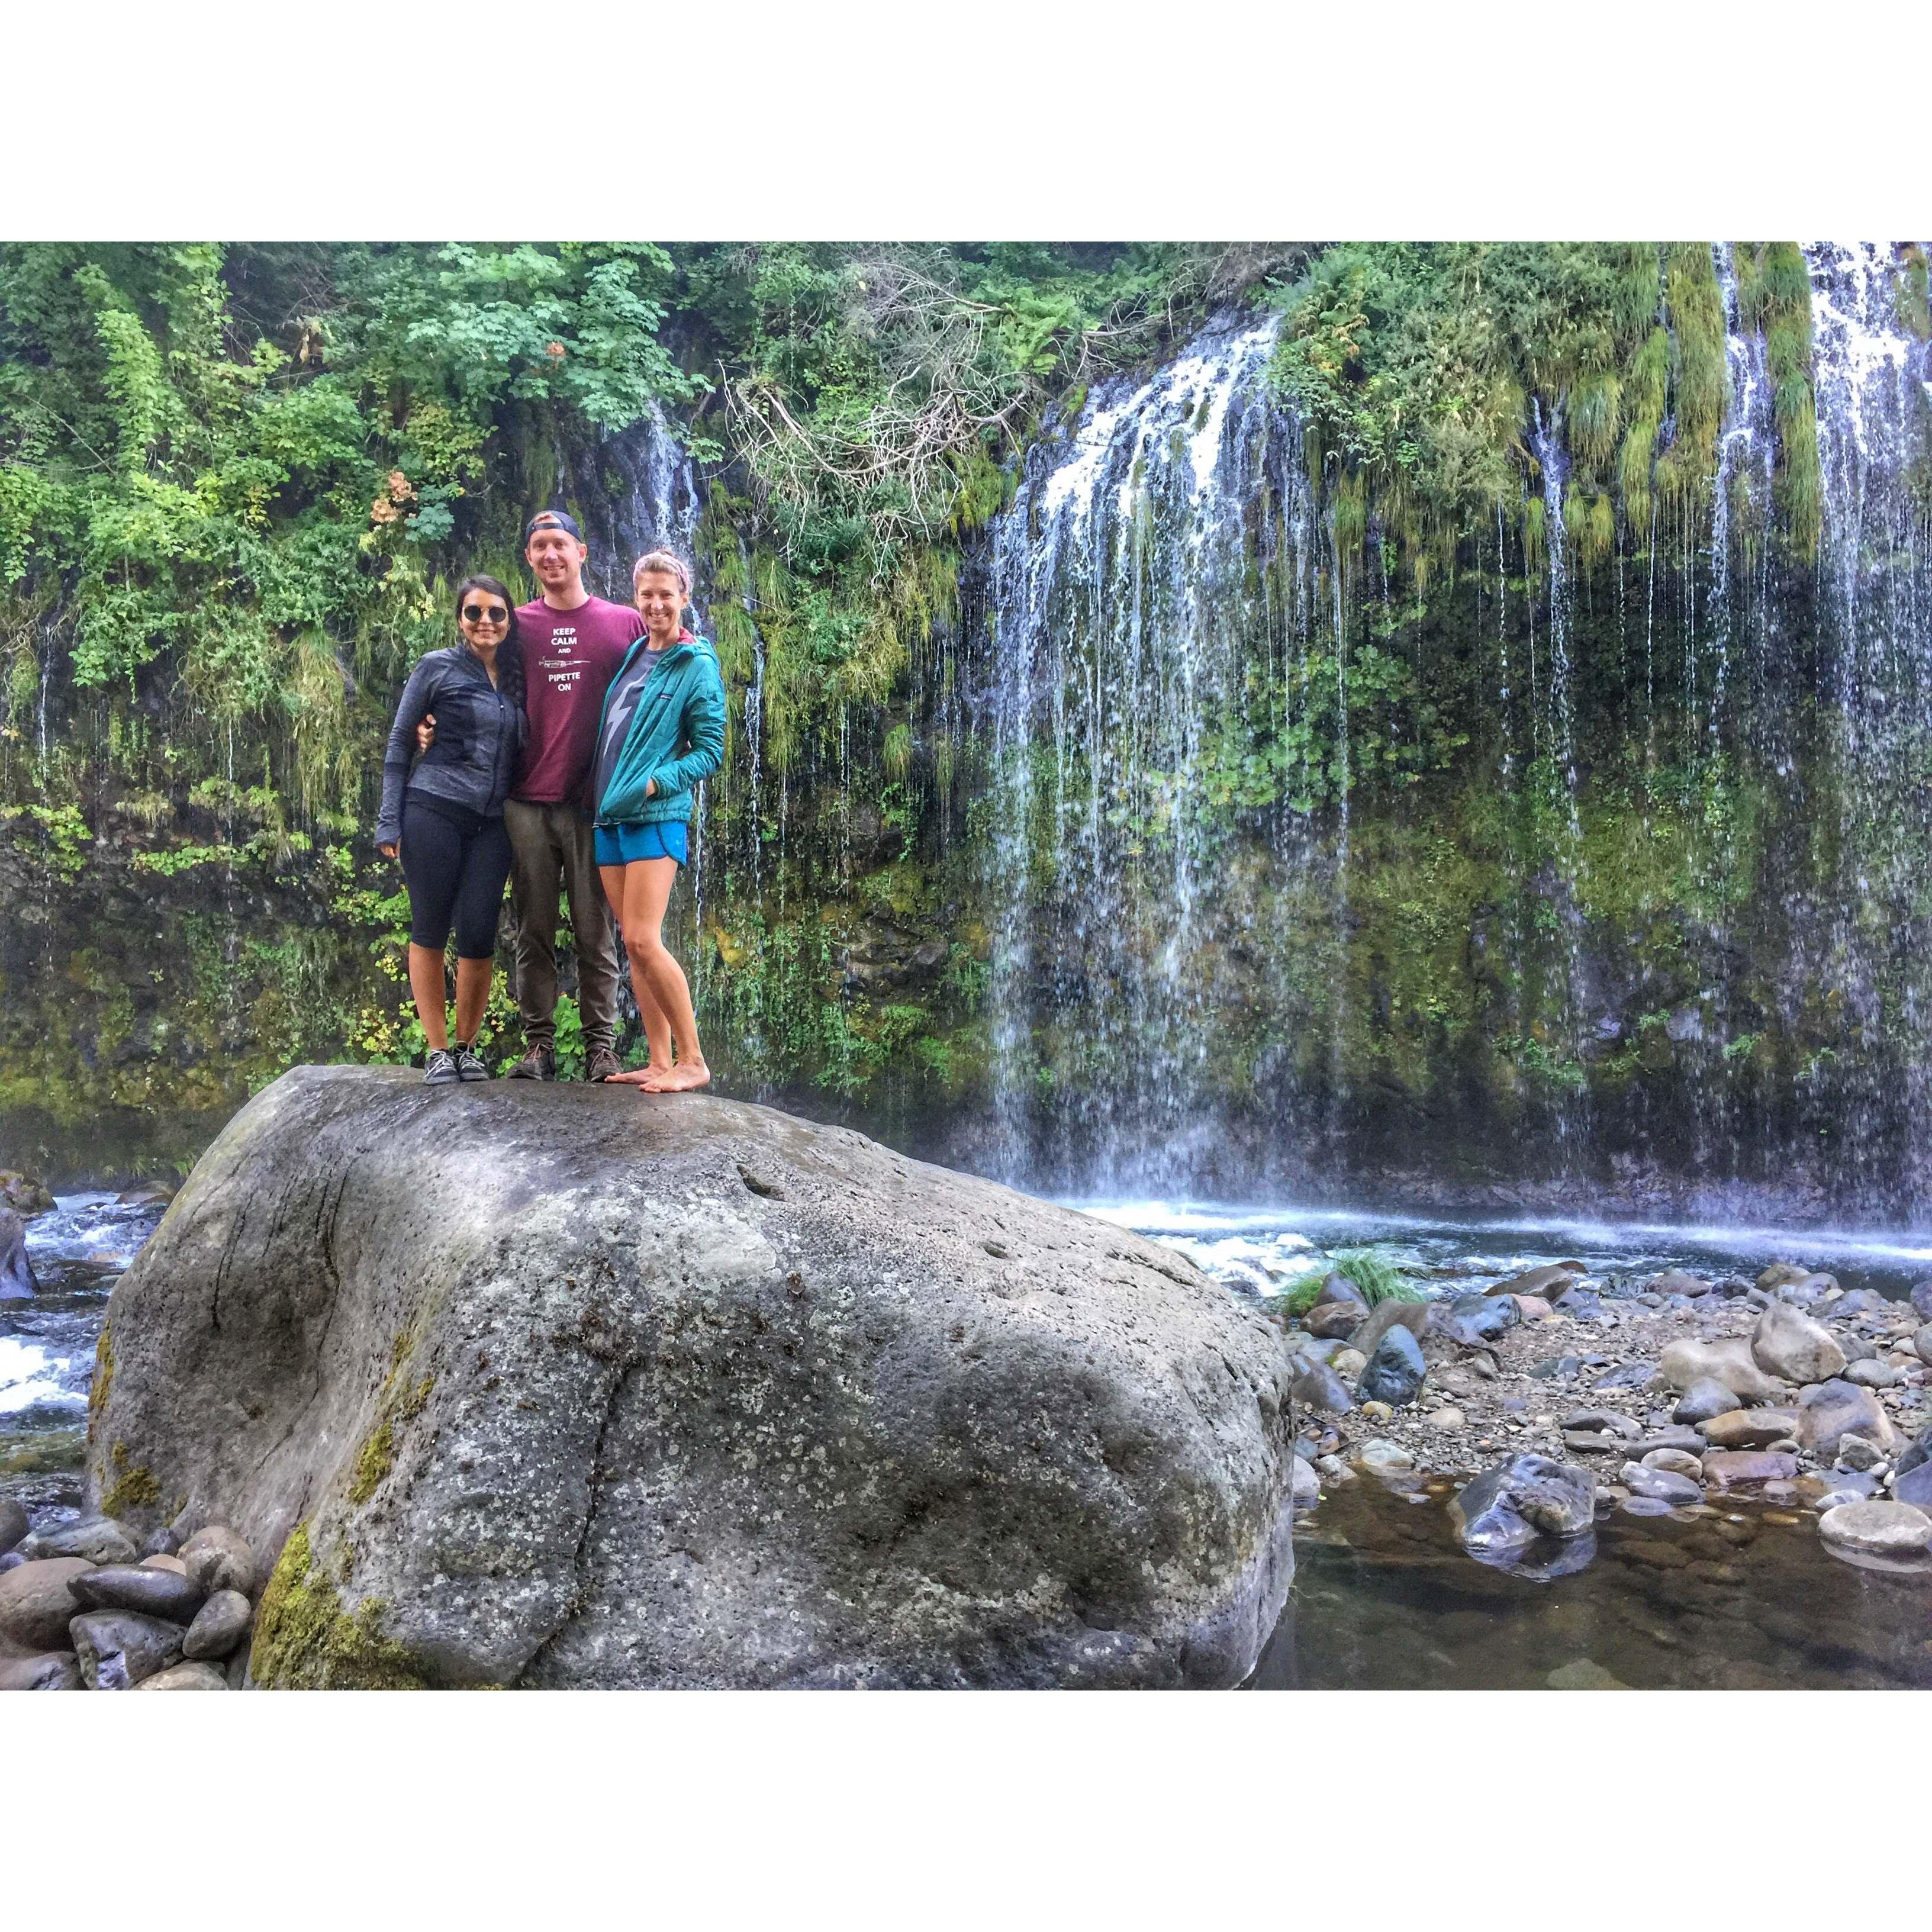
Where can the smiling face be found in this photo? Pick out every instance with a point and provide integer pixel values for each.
(660, 600)
(555, 559)
(484, 619)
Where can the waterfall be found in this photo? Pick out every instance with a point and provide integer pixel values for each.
(654, 503)
(1874, 416)
(1128, 615)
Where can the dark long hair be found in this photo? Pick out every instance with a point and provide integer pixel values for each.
(510, 652)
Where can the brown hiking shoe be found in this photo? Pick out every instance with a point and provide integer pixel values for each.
(602, 1064)
(539, 1064)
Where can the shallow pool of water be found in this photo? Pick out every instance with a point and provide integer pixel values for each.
(1745, 1598)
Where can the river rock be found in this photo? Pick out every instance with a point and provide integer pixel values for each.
(1728, 1361)
(118, 1649)
(51, 1670)
(1859, 1301)
(1479, 1319)
(1809, 1292)
(1748, 1469)
(1318, 1386)
(1336, 1321)
(100, 1539)
(1348, 1363)
(26, 1196)
(161, 1542)
(1921, 1299)
(17, 1267)
(1382, 1457)
(1705, 1398)
(618, 1419)
(1855, 1452)
(1395, 1370)
(1840, 1485)
(1678, 1462)
(1922, 1344)
(1875, 1374)
(1531, 1307)
(1828, 1411)
(1877, 1529)
(35, 1604)
(1522, 1499)
(1307, 1485)
(1664, 1486)
(1539, 1280)
(1412, 1315)
(1915, 1486)
(218, 1559)
(1602, 1421)
(156, 1593)
(1917, 1452)
(1448, 1419)
(1674, 1281)
(173, 1563)
(1787, 1344)
(1337, 1287)
(185, 1677)
(13, 1524)
(1749, 1428)
(1671, 1437)
(1779, 1273)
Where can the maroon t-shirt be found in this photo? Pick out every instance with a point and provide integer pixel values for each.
(569, 658)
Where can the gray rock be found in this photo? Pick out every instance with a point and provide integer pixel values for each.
(1477, 1320)
(1787, 1344)
(1381, 1457)
(1875, 1374)
(13, 1524)
(1917, 1451)
(1336, 1287)
(118, 1649)
(1674, 1281)
(1809, 1291)
(1539, 1281)
(1859, 1301)
(1307, 1485)
(17, 1267)
(1581, 1304)
(615, 1419)
(1748, 1469)
(1780, 1273)
(1664, 1486)
(1829, 1412)
(100, 1539)
(1877, 1529)
(1678, 1462)
(1672, 1437)
(51, 1670)
(1922, 1344)
(185, 1677)
(1602, 1421)
(1630, 1376)
(218, 1559)
(162, 1542)
(1318, 1386)
(1413, 1316)
(1705, 1398)
(1557, 1368)
(1729, 1360)
(12, 1559)
(1395, 1370)
(1915, 1486)
(1519, 1500)
(35, 1604)
(154, 1592)
(1856, 1348)
(1921, 1299)
(1854, 1452)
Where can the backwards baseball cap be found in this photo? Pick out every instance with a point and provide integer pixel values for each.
(552, 520)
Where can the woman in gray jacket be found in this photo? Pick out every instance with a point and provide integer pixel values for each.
(444, 818)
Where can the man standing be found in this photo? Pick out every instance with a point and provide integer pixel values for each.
(572, 644)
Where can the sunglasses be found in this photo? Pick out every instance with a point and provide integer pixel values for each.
(476, 613)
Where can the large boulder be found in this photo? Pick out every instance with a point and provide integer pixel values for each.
(558, 1385)
(1829, 1412)
(1728, 1361)
(1784, 1342)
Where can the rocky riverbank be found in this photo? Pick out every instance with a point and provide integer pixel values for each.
(1559, 1396)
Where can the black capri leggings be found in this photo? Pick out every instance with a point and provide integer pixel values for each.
(455, 863)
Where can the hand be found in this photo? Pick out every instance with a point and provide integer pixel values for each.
(388, 851)
(426, 731)
(650, 788)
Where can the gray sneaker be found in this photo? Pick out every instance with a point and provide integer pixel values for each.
(539, 1064)
(469, 1064)
(439, 1069)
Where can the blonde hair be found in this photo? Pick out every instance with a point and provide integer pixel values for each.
(662, 559)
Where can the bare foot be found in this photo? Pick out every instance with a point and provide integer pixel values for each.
(639, 1076)
(686, 1075)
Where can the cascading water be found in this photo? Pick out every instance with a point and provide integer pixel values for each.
(655, 503)
(1129, 615)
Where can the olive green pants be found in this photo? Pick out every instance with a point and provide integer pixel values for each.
(552, 846)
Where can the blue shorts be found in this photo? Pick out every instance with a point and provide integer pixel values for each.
(625, 845)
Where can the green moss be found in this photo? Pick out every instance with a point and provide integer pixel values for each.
(305, 1640)
(134, 1487)
(373, 1465)
(43, 1452)
(102, 1384)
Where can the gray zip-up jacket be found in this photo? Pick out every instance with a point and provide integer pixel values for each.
(479, 735)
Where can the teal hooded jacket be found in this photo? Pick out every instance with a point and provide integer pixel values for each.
(676, 737)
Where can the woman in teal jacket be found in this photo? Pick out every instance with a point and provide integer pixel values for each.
(662, 733)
